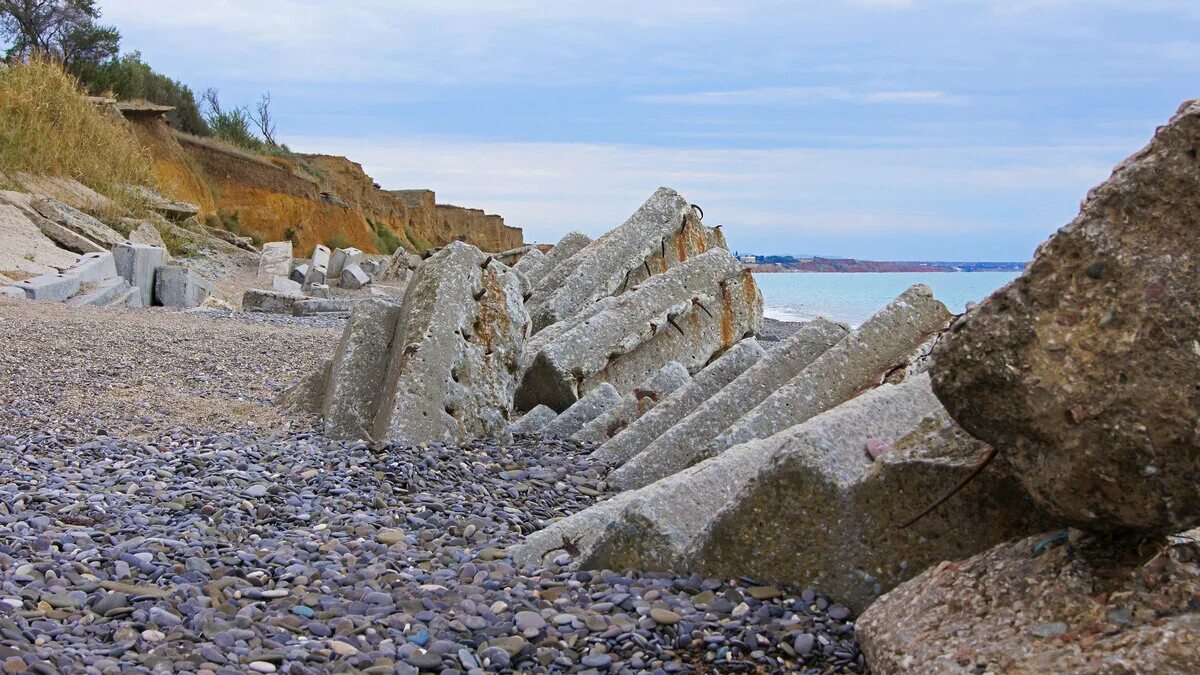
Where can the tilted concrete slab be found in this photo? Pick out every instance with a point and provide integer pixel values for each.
(634, 404)
(318, 266)
(136, 264)
(685, 314)
(94, 267)
(532, 265)
(864, 359)
(299, 273)
(49, 287)
(628, 443)
(269, 302)
(12, 293)
(276, 260)
(586, 409)
(533, 421)
(681, 446)
(355, 384)
(353, 277)
(561, 262)
(77, 221)
(102, 293)
(179, 286)
(26, 248)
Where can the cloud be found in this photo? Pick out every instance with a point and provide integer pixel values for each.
(800, 96)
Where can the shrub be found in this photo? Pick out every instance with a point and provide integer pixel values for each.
(47, 127)
(128, 77)
(385, 240)
(338, 240)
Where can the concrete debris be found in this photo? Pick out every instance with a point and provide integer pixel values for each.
(683, 445)
(94, 267)
(270, 302)
(860, 361)
(49, 287)
(77, 221)
(102, 293)
(559, 264)
(686, 314)
(353, 277)
(341, 259)
(144, 232)
(299, 273)
(320, 291)
(179, 286)
(174, 211)
(26, 248)
(318, 267)
(532, 265)
(533, 421)
(634, 404)
(598, 401)
(285, 285)
(276, 260)
(634, 438)
(354, 386)
(136, 264)
(315, 306)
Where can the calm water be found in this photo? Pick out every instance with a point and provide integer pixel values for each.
(853, 298)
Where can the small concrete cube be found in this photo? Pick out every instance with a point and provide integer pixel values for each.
(318, 267)
(136, 263)
(50, 287)
(178, 286)
(94, 267)
(354, 277)
(285, 285)
(299, 273)
(319, 291)
(341, 259)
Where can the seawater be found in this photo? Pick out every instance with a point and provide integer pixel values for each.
(854, 298)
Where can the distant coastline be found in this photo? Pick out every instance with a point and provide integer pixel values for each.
(788, 264)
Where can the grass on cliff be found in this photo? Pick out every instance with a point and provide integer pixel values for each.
(48, 127)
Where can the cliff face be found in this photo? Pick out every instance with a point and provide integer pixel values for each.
(276, 202)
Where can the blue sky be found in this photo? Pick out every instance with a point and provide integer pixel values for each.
(879, 129)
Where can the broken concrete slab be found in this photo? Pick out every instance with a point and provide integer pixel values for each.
(452, 370)
(354, 387)
(269, 302)
(49, 287)
(560, 261)
(275, 260)
(533, 421)
(320, 291)
(77, 221)
(179, 286)
(399, 267)
(586, 409)
(353, 277)
(686, 314)
(175, 211)
(144, 232)
(634, 438)
(94, 267)
(102, 293)
(12, 293)
(136, 264)
(634, 404)
(682, 445)
(26, 248)
(531, 264)
(860, 361)
(318, 266)
(315, 306)
(299, 273)
(341, 259)
(285, 285)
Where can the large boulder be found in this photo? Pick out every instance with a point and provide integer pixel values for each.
(883, 346)
(664, 232)
(686, 314)
(1084, 369)
(680, 447)
(1043, 605)
(634, 404)
(723, 370)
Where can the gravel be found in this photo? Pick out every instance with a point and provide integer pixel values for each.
(138, 535)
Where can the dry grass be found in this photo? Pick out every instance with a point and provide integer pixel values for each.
(47, 127)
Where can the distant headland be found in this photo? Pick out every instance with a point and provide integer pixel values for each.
(787, 263)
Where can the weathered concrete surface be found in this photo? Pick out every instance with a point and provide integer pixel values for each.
(314, 306)
(461, 331)
(1083, 370)
(276, 260)
(621, 258)
(861, 361)
(299, 273)
(634, 404)
(285, 285)
(560, 263)
(270, 302)
(307, 396)
(511, 256)
(12, 293)
(683, 445)
(1026, 607)
(353, 277)
(687, 314)
(58, 235)
(321, 292)
(136, 263)
(77, 221)
(533, 421)
(629, 442)
(318, 267)
(532, 264)
(354, 387)
(399, 267)
(26, 248)
(49, 287)
(144, 232)
(179, 286)
(93, 267)
(586, 409)
(101, 293)
(341, 259)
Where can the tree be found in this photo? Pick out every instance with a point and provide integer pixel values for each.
(66, 30)
(233, 125)
(263, 120)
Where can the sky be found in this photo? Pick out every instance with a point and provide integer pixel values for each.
(877, 129)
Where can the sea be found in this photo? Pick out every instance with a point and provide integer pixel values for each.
(853, 298)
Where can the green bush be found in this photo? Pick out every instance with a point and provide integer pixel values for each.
(338, 240)
(128, 78)
(385, 240)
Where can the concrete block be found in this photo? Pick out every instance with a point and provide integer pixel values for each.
(269, 302)
(532, 421)
(318, 267)
(686, 314)
(360, 363)
(136, 264)
(102, 294)
(49, 287)
(131, 297)
(859, 362)
(299, 273)
(319, 291)
(531, 265)
(12, 292)
(77, 221)
(283, 284)
(634, 438)
(371, 267)
(586, 409)
(634, 404)
(315, 306)
(179, 286)
(682, 445)
(340, 259)
(276, 260)
(353, 277)
(94, 267)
